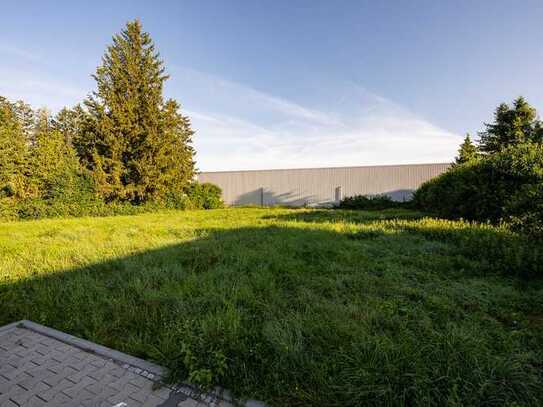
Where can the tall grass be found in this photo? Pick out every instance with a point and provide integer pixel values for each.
(294, 307)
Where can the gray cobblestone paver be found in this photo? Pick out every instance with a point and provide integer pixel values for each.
(36, 370)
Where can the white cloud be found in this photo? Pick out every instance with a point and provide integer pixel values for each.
(213, 94)
(33, 79)
(39, 90)
(241, 128)
(225, 143)
(18, 52)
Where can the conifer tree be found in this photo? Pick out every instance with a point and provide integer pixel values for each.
(468, 151)
(137, 144)
(69, 122)
(512, 125)
(26, 117)
(54, 166)
(43, 123)
(13, 152)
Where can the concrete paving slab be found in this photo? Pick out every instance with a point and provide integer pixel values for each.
(40, 366)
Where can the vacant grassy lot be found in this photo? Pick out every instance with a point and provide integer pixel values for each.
(295, 307)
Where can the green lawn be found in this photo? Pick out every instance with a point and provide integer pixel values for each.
(294, 307)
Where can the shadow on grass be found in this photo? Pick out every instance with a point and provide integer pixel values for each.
(305, 317)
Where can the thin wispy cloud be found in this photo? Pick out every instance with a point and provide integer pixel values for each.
(39, 90)
(248, 129)
(225, 143)
(215, 94)
(239, 127)
(31, 78)
(10, 50)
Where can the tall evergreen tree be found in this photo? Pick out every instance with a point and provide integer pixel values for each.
(43, 123)
(512, 125)
(137, 144)
(69, 122)
(54, 166)
(26, 117)
(13, 152)
(468, 151)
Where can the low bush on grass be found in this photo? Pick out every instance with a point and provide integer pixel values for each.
(525, 210)
(369, 202)
(84, 202)
(505, 186)
(205, 196)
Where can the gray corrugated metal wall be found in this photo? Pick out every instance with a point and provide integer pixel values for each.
(319, 186)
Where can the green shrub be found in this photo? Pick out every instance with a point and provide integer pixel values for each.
(174, 200)
(470, 191)
(34, 208)
(368, 202)
(499, 187)
(74, 196)
(204, 196)
(525, 210)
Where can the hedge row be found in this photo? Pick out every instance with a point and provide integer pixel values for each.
(367, 202)
(87, 203)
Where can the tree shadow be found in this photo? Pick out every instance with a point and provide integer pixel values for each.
(400, 195)
(266, 197)
(281, 313)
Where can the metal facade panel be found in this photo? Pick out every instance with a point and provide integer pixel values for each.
(318, 186)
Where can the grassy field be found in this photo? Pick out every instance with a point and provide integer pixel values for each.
(294, 307)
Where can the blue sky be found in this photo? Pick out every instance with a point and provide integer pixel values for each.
(297, 84)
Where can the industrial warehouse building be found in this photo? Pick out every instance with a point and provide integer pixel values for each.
(320, 186)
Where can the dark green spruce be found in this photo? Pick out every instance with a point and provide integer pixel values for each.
(468, 151)
(136, 143)
(13, 152)
(512, 126)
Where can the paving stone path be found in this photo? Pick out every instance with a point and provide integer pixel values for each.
(37, 369)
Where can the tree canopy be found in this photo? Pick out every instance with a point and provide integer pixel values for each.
(125, 144)
(512, 125)
(13, 151)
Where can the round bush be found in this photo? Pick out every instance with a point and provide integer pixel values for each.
(485, 189)
(205, 196)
